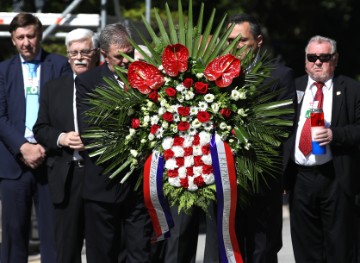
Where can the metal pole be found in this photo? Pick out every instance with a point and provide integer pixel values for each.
(147, 10)
(70, 8)
(103, 14)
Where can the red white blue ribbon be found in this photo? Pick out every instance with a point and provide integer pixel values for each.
(226, 193)
(154, 196)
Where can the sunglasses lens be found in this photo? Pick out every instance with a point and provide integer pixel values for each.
(322, 57)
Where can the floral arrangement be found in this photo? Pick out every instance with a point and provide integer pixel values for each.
(192, 87)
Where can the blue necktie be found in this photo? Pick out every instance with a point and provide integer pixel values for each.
(32, 95)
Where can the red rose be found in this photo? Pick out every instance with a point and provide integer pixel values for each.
(171, 92)
(205, 149)
(179, 161)
(154, 96)
(207, 169)
(183, 126)
(188, 82)
(173, 173)
(168, 154)
(189, 171)
(188, 151)
(168, 116)
(196, 140)
(201, 87)
(178, 141)
(154, 128)
(198, 161)
(184, 182)
(203, 116)
(184, 111)
(225, 112)
(135, 123)
(199, 181)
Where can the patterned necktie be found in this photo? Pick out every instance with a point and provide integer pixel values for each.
(305, 136)
(32, 95)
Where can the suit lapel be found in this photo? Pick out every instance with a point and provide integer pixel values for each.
(338, 100)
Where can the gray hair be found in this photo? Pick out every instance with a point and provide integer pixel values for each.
(117, 34)
(81, 34)
(321, 39)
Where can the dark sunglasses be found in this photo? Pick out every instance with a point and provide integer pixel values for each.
(322, 57)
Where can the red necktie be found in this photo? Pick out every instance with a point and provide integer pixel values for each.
(305, 136)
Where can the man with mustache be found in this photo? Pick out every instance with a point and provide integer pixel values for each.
(23, 177)
(56, 129)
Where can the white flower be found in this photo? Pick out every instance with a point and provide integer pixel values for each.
(163, 102)
(235, 95)
(146, 120)
(176, 117)
(180, 98)
(242, 112)
(159, 133)
(161, 110)
(188, 161)
(167, 143)
(175, 129)
(180, 87)
(197, 170)
(151, 137)
(194, 110)
(209, 178)
(243, 95)
(171, 164)
(173, 108)
(209, 98)
(174, 181)
(167, 80)
(207, 159)
(222, 126)
(143, 141)
(165, 125)
(189, 95)
(154, 119)
(215, 107)
(178, 151)
(182, 172)
(188, 141)
(132, 131)
(203, 106)
(199, 75)
(208, 126)
(192, 131)
(134, 153)
(192, 187)
(160, 67)
(197, 150)
(196, 123)
(150, 104)
(205, 138)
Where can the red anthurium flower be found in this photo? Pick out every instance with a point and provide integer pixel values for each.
(145, 77)
(223, 70)
(175, 59)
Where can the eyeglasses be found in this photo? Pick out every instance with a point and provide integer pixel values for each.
(321, 57)
(85, 52)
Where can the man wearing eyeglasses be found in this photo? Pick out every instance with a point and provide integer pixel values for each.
(56, 129)
(323, 185)
(117, 221)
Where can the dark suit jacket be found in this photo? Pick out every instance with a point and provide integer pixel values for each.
(97, 186)
(345, 126)
(13, 105)
(56, 116)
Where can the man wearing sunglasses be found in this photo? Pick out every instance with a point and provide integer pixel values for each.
(322, 187)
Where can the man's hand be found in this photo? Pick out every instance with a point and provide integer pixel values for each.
(324, 136)
(72, 140)
(33, 155)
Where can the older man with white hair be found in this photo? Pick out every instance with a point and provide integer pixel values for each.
(56, 129)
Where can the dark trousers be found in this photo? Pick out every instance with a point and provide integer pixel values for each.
(322, 218)
(259, 227)
(69, 219)
(103, 231)
(17, 198)
(182, 244)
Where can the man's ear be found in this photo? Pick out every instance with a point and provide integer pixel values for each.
(259, 41)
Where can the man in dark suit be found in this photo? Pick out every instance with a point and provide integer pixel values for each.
(322, 187)
(56, 129)
(259, 223)
(23, 177)
(115, 213)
